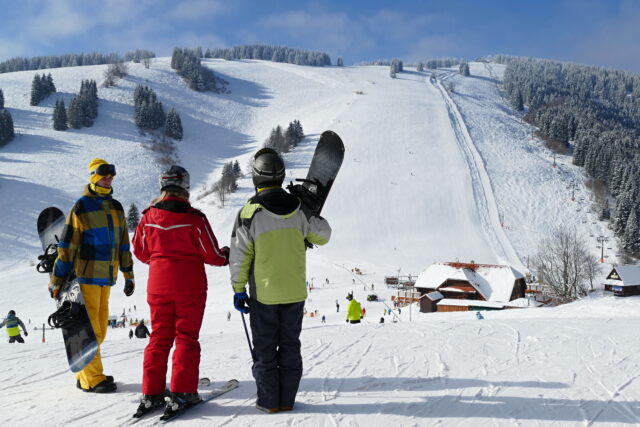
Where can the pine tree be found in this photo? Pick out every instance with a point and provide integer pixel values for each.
(133, 217)
(173, 127)
(299, 131)
(464, 69)
(624, 206)
(290, 137)
(518, 103)
(6, 127)
(237, 172)
(74, 114)
(1, 100)
(340, 62)
(59, 116)
(631, 238)
(420, 67)
(392, 72)
(36, 91)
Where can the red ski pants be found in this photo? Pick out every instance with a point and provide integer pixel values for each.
(173, 318)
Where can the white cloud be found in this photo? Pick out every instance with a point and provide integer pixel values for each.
(11, 48)
(189, 10)
(612, 43)
(58, 19)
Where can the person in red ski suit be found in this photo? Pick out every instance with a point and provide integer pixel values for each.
(176, 241)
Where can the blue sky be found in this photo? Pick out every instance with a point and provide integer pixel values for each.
(596, 32)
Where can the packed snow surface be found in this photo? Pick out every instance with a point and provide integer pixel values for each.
(429, 175)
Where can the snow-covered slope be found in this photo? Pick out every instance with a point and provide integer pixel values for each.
(427, 176)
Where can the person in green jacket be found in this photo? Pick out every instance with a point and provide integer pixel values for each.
(268, 252)
(13, 332)
(354, 311)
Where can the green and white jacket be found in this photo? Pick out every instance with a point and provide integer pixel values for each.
(268, 249)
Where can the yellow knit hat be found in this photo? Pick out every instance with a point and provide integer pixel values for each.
(93, 165)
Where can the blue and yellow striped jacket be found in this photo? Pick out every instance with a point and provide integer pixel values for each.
(95, 242)
(12, 322)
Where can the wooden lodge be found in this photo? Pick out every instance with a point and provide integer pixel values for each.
(455, 286)
(623, 280)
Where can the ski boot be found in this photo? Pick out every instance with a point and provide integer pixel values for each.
(178, 402)
(150, 402)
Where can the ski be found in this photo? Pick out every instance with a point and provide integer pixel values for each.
(219, 391)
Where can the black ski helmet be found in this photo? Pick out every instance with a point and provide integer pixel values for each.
(176, 177)
(12, 313)
(267, 168)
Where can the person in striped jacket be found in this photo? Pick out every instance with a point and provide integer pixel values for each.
(176, 240)
(13, 332)
(94, 245)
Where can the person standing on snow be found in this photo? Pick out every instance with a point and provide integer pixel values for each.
(354, 311)
(13, 332)
(268, 252)
(95, 243)
(176, 241)
(142, 331)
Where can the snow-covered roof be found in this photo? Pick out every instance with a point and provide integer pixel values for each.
(629, 274)
(470, 302)
(494, 282)
(434, 296)
(523, 302)
(450, 289)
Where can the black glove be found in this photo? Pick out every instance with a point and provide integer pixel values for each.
(225, 251)
(26, 334)
(129, 287)
(241, 302)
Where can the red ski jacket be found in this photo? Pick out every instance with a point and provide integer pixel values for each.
(176, 241)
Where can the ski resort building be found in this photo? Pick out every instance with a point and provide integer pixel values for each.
(455, 286)
(623, 280)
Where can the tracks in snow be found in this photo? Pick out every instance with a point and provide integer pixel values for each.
(481, 184)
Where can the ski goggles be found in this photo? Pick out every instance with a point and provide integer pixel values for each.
(104, 170)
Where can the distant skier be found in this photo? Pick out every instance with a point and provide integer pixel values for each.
(337, 307)
(95, 244)
(268, 251)
(130, 333)
(324, 319)
(382, 320)
(13, 332)
(354, 311)
(479, 315)
(141, 330)
(176, 241)
(228, 316)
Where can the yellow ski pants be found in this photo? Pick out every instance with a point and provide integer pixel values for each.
(96, 299)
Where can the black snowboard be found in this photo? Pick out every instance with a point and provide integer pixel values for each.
(71, 314)
(324, 168)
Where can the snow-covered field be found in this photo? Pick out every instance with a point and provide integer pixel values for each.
(427, 176)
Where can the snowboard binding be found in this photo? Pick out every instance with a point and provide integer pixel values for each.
(68, 315)
(47, 259)
(311, 193)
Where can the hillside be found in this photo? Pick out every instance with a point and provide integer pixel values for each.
(427, 177)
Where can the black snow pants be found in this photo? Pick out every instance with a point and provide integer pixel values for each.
(16, 338)
(278, 363)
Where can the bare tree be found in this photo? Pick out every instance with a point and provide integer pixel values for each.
(565, 265)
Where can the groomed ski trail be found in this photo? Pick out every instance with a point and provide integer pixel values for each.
(481, 183)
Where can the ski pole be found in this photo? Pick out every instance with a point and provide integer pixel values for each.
(253, 355)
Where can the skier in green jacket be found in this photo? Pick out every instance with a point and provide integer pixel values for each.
(354, 311)
(268, 252)
(13, 332)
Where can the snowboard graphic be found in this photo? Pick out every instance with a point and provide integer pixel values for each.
(324, 168)
(71, 314)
